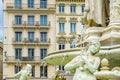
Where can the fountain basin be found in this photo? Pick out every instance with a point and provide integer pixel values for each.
(62, 57)
(106, 75)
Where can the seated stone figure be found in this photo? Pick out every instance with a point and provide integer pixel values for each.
(24, 74)
(86, 64)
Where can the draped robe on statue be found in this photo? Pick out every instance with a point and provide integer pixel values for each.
(96, 11)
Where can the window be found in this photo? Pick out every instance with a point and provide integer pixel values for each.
(72, 27)
(83, 7)
(43, 53)
(61, 8)
(17, 69)
(30, 36)
(72, 8)
(18, 36)
(43, 71)
(61, 27)
(72, 44)
(18, 3)
(18, 19)
(31, 53)
(31, 20)
(33, 71)
(61, 44)
(61, 68)
(18, 53)
(83, 25)
(43, 3)
(43, 36)
(43, 20)
(30, 3)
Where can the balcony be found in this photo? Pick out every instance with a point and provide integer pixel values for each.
(37, 41)
(24, 7)
(31, 25)
(12, 59)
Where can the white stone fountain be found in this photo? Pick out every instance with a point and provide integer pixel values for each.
(109, 37)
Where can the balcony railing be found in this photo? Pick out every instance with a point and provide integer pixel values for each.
(12, 58)
(32, 7)
(34, 24)
(35, 41)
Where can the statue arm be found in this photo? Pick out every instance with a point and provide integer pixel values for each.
(17, 75)
(72, 65)
(92, 67)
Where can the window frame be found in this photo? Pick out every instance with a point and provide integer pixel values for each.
(61, 27)
(31, 36)
(43, 53)
(72, 27)
(44, 37)
(31, 20)
(18, 36)
(43, 71)
(30, 3)
(73, 8)
(61, 8)
(18, 19)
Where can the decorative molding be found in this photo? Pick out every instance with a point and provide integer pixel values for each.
(73, 20)
(70, 0)
(61, 19)
(64, 14)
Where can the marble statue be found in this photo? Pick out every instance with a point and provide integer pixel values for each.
(24, 74)
(115, 10)
(94, 14)
(58, 76)
(85, 64)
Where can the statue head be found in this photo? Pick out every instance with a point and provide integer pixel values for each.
(28, 68)
(94, 46)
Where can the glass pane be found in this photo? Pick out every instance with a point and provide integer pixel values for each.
(43, 37)
(30, 3)
(73, 8)
(61, 27)
(18, 53)
(18, 3)
(18, 36)
(43, 3)
(31, 20)
(83, 6)
(61, 8)
(43, 20)
(18, 19)
(31, 36)
(31, 53)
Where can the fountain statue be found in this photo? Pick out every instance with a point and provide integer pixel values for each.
(96, 13)
(85, 64)
(24, 74)
(102, 18)
(58, 76)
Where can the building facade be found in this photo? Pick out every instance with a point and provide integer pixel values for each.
(68, 23)
(35, 28)
(29, 30)
(1, 60)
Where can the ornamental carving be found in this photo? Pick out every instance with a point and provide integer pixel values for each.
(73, 20)
(61, 19)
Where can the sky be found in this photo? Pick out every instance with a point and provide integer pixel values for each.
(1, 20)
